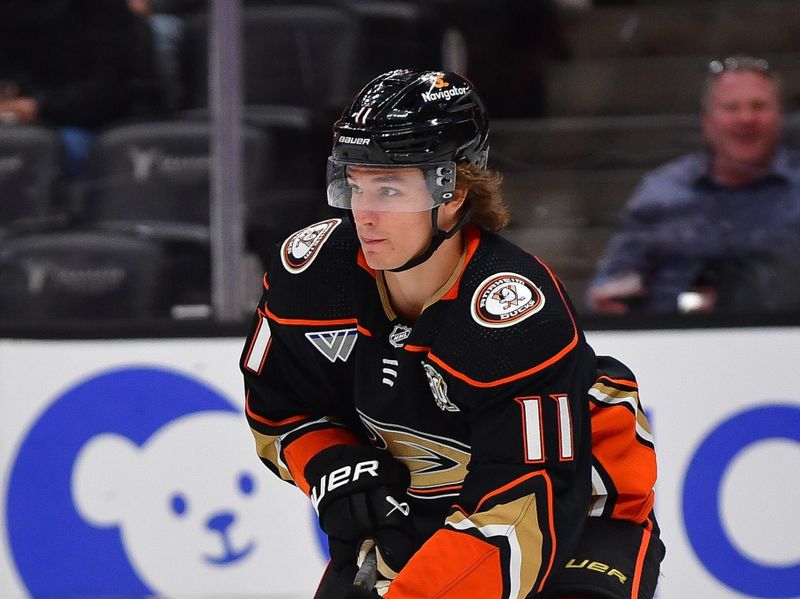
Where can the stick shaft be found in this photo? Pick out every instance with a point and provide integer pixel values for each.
(367, 574)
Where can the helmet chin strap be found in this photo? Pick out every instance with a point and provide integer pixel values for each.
(438, 238)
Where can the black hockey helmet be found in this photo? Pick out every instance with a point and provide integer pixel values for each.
(431, 120)
(414, 117)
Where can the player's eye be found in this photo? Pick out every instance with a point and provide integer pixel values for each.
(389, 192)
(178, 504)
(354, 189)
(246, 484)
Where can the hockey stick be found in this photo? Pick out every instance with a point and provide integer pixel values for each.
(367, 574)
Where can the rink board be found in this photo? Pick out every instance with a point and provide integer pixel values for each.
(128, 470)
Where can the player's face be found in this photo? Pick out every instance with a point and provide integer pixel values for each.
(390, 238)
(743, 120)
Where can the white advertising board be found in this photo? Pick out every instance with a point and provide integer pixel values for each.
(128, 470)
(725, 411)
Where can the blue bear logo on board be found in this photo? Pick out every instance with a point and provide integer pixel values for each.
(141, 482)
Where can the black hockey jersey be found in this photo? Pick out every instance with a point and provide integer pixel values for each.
(486, 398)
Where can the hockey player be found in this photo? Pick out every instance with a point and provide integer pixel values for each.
(425, 383)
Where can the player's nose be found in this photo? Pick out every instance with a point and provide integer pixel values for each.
(364, 217)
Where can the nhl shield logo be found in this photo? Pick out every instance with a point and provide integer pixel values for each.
(439, 389)
(505, 299)
(399, 334)
(300, 249)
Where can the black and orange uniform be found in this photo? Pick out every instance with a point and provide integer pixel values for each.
(486, 399)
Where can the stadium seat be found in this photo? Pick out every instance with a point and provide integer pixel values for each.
(394, 34)
(294, 194)
(569, 198)
(31, 177)
(295, 57)
(604, 142)
(636, 85)
(153, 178)
(661, 29)
(73, 275)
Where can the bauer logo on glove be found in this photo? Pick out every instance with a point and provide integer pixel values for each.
(340, 477)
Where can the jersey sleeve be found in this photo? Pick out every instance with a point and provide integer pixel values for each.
(295, 373)
(288, 428)
(624, 459)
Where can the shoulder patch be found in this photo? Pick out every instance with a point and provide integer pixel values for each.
(504, 299)
(300, 249)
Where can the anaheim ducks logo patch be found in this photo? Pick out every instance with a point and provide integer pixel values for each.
(300, 249)
(505, 299)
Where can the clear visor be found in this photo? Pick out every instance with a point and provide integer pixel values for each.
(407, 188)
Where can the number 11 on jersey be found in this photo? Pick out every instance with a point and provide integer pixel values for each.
(534, 430)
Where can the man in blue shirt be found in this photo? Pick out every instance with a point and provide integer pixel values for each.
(716, 231)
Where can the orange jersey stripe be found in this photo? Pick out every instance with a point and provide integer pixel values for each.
(434, 490)
(362, 262)
(511, 485)
(307, 322)
(417, 348)
(300, 451)
(451, 565)
(551, 524)
(514, 377)
(637, 574)
(267, 421)
(554, 278)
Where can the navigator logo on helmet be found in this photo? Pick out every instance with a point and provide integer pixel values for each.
(431, 120)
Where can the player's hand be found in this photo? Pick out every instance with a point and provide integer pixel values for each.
(359, 493)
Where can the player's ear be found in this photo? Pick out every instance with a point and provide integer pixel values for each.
(459, 197)
(451, 211)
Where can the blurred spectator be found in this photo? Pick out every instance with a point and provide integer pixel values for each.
(70, 64)
(166, 19)
(715, 231)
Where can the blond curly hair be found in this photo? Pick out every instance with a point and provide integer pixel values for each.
(484, 199)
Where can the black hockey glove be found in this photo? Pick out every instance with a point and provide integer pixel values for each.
(359, 493)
